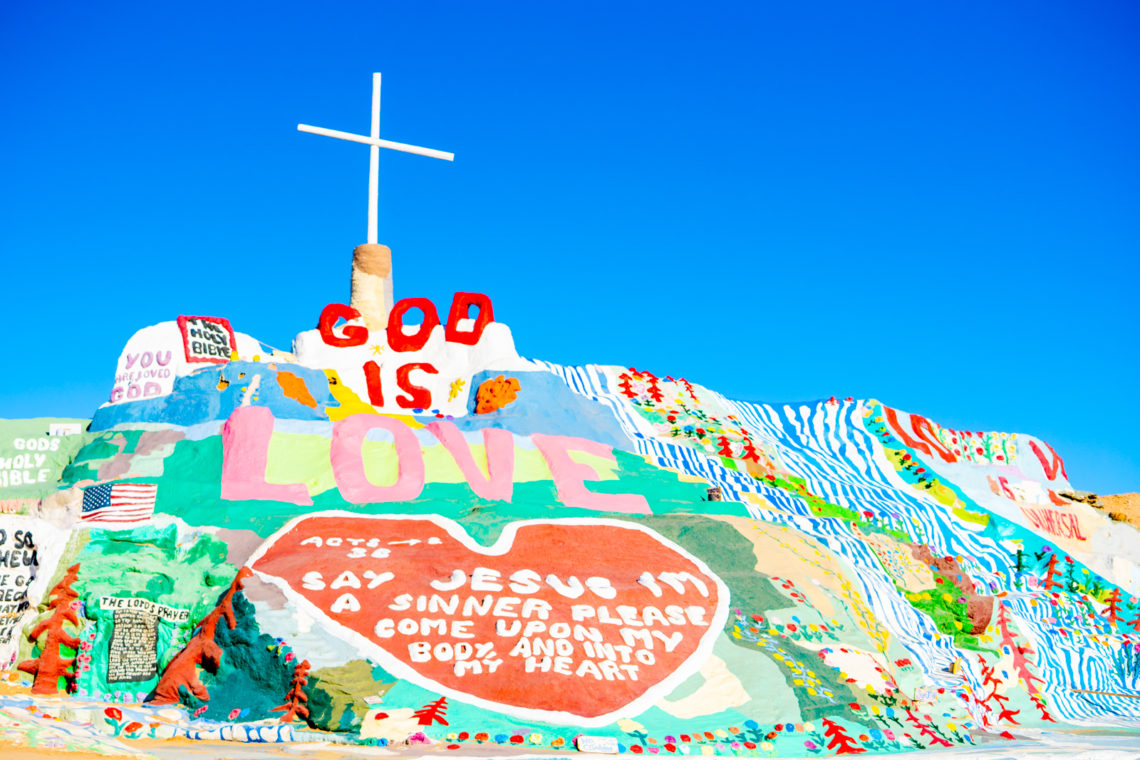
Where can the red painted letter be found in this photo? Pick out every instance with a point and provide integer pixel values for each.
(1049, 468)
(396, 338)
(461, 309)
(418, 397)
(372, 378)
(354, 335)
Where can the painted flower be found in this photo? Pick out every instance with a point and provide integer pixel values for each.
(113, 713)
(481, 736)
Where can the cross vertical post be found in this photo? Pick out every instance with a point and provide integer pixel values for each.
(374, 165)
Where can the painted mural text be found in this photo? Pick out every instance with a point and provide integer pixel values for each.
(140, 374)
(27, 468)
(414, 396)
(207, 339)
(245, 452)
(18, 566)
(1054, 522)
(521, 624)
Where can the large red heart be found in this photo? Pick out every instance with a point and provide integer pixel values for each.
(572, 621)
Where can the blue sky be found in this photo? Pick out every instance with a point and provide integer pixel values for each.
(935, 205)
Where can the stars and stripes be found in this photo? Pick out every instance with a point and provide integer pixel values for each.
(119, 502)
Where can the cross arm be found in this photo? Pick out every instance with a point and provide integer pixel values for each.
(403, 147)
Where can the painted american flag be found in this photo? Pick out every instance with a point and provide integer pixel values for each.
(119, 502)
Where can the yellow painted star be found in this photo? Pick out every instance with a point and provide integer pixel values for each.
(456, 389)
(377, 349)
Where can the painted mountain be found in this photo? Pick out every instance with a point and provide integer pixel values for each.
(404, 533)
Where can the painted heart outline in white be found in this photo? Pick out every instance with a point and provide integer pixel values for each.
(502, 546)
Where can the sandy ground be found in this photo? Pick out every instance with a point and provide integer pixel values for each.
(1123, 505)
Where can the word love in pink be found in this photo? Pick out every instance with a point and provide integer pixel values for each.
(245, 455)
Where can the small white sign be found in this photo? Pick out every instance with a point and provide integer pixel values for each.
(603, 745)
(65, 428)
(926, 694)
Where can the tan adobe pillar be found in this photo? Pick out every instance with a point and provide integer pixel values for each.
(372, 284)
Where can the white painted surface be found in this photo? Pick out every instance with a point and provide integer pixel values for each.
(404, 147)
(374, 165)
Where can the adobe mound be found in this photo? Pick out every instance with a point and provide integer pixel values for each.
(332, 544)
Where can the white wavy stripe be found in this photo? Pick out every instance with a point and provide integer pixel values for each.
(839, 460)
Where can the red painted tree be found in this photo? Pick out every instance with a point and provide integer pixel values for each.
(725, 446)
(51, 665)
(988, 677)
(925, 729)
(1004, 713)
(749, 451)
(624, 386)
(655, 390)
(839, 740)
(200, 650)
(296, 695)
(1135, 622)
(1021, 662)
(1039, 703)
(1112, 611)
(688, 389)
(432, 712)
(1051, 574)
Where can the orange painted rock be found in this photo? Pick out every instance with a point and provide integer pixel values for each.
(495, 394)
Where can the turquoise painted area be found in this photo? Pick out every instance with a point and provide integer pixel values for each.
(197, 398)
(545, 405)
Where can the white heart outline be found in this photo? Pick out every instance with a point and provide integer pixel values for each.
(503, 545)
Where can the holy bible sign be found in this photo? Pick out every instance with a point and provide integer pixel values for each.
(573, 620)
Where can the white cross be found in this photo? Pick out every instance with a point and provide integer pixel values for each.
(374, 153)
